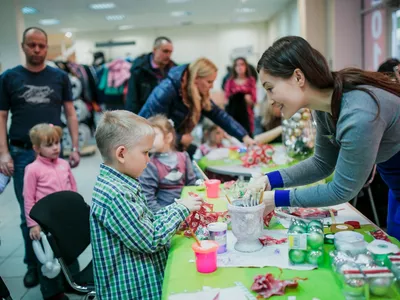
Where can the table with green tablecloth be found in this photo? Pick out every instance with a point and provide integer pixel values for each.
(181, 275)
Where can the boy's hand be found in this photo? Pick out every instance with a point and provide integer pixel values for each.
(192, 203)
(34, 233)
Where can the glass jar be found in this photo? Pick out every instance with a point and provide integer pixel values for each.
(298, 134)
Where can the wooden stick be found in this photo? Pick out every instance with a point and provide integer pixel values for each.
(261, 197)
(227, 198)
(332, 216)
(193, 234)
(201, 171)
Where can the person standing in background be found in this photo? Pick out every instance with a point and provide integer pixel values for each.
(241, 92)
(147, 72)
(34, 93)
(184, 97)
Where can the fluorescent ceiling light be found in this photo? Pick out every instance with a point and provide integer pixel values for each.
(245, 10)
(180, 13)
(177, 1)
(49, 22)
(101, 6)
(29, 10)
(115, 17)
(125, 27)
(68, 34)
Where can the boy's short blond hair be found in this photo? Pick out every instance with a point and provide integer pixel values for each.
(120, 128)
(45, 133)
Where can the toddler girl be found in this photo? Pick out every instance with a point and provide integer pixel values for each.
(46, 175)
(169, 170)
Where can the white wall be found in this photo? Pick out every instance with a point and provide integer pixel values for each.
(216, 42)
(286, 22)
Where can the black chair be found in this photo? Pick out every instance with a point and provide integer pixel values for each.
(64, 218)
(367, 188)
(4, 292)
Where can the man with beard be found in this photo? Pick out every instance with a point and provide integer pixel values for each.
(146, 73)
(34, 93)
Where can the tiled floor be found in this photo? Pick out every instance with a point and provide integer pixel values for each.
(12, 268)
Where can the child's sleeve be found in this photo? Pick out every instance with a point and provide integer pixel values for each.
(190, 175)
(72, 180)
(149, 181)
(198, 154)
(29, 193)
(128, 220)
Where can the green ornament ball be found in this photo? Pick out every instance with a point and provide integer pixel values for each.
(315, 240)
(315, 223)
(297, 229)
(315, 257)
(297, 256)
(315, 229)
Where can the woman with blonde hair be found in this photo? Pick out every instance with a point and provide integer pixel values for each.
(184, 97)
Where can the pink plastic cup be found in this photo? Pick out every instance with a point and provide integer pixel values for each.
(212, 186)
(206, 256)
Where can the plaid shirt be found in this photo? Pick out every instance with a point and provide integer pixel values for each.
(129, 242)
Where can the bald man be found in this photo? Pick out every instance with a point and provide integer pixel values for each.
(146, 73)
(34, 93)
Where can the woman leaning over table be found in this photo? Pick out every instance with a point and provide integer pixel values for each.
(358, 125)
(184, 97)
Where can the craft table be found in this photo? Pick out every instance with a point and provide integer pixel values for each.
(181, 275)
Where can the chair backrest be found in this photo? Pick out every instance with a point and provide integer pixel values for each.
(65, 215)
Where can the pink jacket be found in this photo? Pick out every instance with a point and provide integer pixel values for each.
(118, 72)
(43, 177)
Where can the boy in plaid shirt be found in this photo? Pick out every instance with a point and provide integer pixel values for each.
(129, 242)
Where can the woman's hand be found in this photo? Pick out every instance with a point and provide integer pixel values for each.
(269, 200)
(248, 141)
(249, 100)
(186, 140)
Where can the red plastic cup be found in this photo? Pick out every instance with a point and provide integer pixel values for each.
(206, 256)
(212, 186)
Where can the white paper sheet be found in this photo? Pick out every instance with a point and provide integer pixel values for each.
(224, 294)
(345, 213)
(268, 256)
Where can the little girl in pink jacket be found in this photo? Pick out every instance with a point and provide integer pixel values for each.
(48, 173)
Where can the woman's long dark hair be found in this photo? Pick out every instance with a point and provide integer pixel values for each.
(292, 52)
(234, 73)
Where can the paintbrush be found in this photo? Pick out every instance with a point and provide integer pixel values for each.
(193, 234)
(261, 197)
(201, 171)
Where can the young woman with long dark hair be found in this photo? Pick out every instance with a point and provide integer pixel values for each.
(358, 125)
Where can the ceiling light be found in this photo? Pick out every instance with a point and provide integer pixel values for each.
(101, 6)
(177, 1)
(115, 17)
(125, 27)
(180, 13)
(68, 34)
(49, 22)
(29, 10)
(245, 10)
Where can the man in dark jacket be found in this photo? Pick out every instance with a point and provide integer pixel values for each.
(146, 73)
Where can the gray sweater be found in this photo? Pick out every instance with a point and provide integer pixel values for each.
(351, 150)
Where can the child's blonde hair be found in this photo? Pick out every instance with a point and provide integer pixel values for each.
(165, 125)
(120, 128)
(45, 133)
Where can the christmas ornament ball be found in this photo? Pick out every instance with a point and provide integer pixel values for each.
(315, 257)
(297, 256)
(315, 240)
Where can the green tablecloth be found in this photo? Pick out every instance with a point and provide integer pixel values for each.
(181, 275)
(204, 163)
